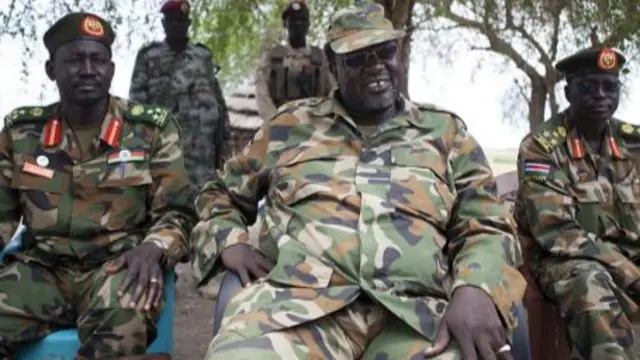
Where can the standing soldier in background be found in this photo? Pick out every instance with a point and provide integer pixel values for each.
(292, 72)
(180, 75)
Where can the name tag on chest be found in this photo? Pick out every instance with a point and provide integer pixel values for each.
(37, 170)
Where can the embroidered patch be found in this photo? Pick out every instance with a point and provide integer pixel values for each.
(534, 170)
(37, 170)
(125, 156)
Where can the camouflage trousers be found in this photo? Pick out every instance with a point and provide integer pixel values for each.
(36, 300)
(363, 330)
(595, 310)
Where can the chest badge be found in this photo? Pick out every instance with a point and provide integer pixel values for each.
(42, 161)
(36, 170)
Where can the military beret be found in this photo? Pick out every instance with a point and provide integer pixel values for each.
(591, 60)
(176, 6)
(78, 26)
(295, 7)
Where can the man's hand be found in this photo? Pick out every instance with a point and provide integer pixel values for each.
(143, 276)
(474, 323)
(246, 262)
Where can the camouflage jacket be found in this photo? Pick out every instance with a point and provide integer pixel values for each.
(285, 74)
(186, 83)
(133, 190)
(579, 204)
(405, 216)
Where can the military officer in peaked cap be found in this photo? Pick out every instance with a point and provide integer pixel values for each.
(101, 189)
(578, 208)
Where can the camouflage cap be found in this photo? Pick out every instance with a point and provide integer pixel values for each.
(355, 28)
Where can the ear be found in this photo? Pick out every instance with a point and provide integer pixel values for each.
(48, 68)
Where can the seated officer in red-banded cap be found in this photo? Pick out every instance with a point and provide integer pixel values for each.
(102, 190)
(578, 206)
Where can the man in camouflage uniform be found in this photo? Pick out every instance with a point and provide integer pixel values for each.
(578, 205)
(180, 75)
(101, 188)
(390, 238)
(293, 71)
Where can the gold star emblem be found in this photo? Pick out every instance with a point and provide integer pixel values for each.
(137, 110)
(36, 111)
(627, 129)
(562, 131)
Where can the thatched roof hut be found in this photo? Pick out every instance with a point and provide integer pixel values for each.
(243, 115)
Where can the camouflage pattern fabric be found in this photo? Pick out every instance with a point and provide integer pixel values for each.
(285, 74)
(580, 209)
(402, 217)
(358, 27)
(80, 214)
(186, 84)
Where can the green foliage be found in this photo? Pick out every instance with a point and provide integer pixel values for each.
(237, 31)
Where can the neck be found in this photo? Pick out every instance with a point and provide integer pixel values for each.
(297, 43)
(177, 44)
(372, 117)
(590, 130)
(85, 115)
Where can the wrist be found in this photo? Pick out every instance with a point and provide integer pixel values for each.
(158, 248)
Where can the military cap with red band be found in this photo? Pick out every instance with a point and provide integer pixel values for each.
(176, 6)
(78, 26)
(592, 60)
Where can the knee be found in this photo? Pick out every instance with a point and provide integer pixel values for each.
(589, 287)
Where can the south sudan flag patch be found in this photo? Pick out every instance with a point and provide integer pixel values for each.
(537, 171)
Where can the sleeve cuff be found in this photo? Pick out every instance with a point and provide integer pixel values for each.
(173, 253)
(505, 287)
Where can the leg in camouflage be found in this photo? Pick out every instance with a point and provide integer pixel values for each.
(399, 341)
(33, 300)
(594, 308)
(342, 335)
(106, 327)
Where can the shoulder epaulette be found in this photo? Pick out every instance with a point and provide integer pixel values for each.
(203, 46)
(148, 47)
(438, 109)
(27, 114)
(293, 105)
(628, 129)
(550, 135)
(152, 114)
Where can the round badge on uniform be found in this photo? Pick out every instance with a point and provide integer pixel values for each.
(42, 161)
(125, 155)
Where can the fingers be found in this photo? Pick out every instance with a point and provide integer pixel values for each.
(129, 278)
(264, 264)
(441, 342)
(140, 285)
(485, 350)
(156, 287)
(256, 271)
(244, 276)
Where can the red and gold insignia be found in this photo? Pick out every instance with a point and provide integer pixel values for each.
(52, 134)
(613, 146)
(90, 25)
(576, 148)
(37, 170)
(112, 133)
(607, 59)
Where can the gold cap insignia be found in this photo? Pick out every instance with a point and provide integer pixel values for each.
(607, 59)
(92, 26)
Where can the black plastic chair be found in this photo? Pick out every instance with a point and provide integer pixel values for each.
(231, 284)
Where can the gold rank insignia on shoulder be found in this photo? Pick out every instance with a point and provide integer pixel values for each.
(137, 110)
(562, 131)
(627, 128)
(36, 111)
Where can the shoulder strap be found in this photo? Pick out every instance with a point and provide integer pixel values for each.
(27, 114)
(151, 114)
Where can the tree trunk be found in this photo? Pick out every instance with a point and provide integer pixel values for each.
(399, 12)
(537, 103)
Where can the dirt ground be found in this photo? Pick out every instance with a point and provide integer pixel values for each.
(193, 319)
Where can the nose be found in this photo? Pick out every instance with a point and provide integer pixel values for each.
(87, 68)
